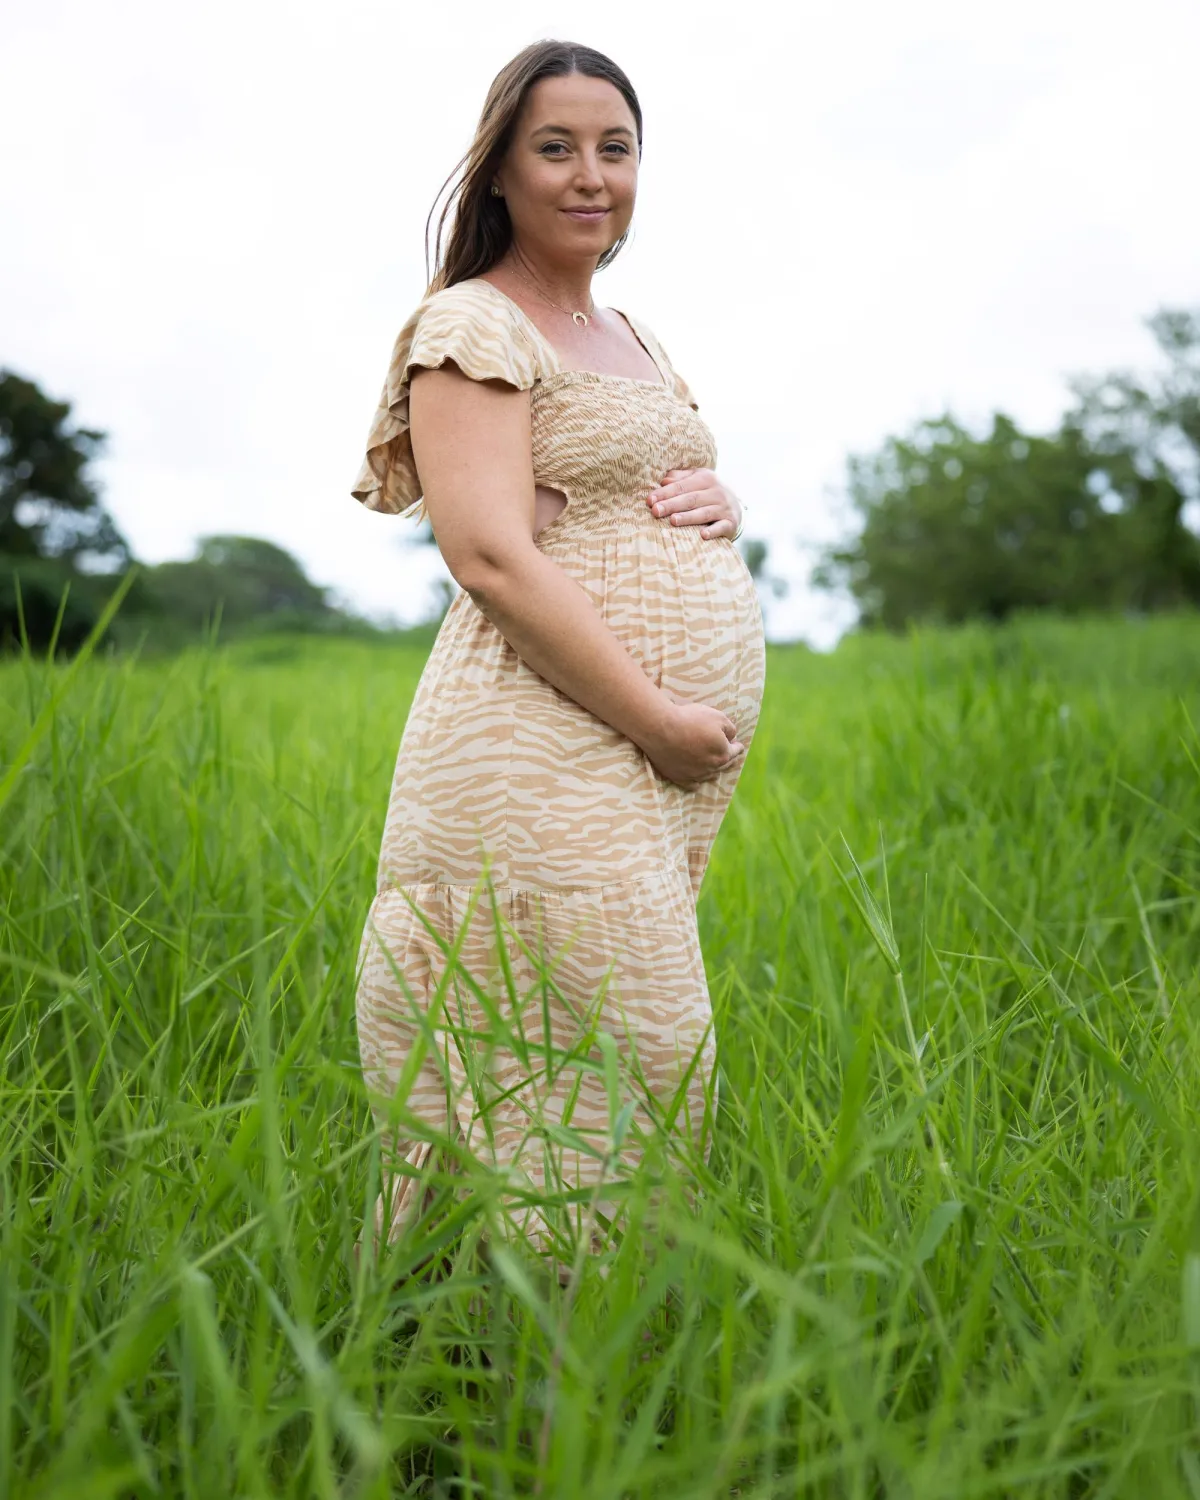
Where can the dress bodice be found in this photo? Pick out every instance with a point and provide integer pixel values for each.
(605, 441)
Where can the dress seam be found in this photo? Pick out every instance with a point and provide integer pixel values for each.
(679, 868)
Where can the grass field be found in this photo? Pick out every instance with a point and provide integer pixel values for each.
(948, 1243)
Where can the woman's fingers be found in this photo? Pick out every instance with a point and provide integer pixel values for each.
(734, 747)
(695, 497)
(714, 518)
(675, 480)
(671, 505)
(736, 751)
(700, 515)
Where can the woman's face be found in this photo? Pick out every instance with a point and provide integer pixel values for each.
(570, 175)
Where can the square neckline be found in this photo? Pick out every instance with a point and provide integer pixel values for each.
(658, 385)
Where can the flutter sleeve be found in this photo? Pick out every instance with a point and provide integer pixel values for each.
(480, 335)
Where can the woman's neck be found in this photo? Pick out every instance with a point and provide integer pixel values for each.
(569, 286)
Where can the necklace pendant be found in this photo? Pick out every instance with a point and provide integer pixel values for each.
(580, 318)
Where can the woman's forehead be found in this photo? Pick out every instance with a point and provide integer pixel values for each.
(575, 102)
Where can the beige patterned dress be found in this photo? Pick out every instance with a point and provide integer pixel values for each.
(528, 844)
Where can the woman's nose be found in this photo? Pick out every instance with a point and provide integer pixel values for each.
(589, 174)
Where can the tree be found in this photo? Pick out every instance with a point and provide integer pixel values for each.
(56, 539)
(1146, 431)
(49, 504)
(1091, 517)
(1155, 420)
(957, 527)
(59, 550)
(247, 578)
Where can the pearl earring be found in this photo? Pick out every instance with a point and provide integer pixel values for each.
(495, 191)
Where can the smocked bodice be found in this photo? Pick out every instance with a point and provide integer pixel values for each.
(606, 441)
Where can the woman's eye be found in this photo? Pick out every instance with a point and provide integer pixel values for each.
(611, 148)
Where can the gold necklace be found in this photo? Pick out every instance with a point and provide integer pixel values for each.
(581, 318)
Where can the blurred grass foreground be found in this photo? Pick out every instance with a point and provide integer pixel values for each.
(947, 1242)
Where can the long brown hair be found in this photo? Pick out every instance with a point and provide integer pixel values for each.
(481, 230)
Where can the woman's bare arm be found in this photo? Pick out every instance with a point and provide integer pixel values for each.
(472, 444)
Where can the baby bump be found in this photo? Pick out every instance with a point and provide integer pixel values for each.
(495, 757)
(683, 606)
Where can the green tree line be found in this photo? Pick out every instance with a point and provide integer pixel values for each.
(61, 553)
(1096, 516)
(950, 525)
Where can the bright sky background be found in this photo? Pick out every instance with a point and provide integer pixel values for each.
(850, 216)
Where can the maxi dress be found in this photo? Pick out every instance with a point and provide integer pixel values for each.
(532, 841)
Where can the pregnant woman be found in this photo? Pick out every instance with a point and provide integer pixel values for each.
(581, 722)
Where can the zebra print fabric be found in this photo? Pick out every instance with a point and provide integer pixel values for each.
(537, 877)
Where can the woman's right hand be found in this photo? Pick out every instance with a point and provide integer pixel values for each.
(693, 743)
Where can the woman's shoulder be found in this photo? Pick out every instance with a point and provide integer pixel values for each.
(474, 301)
(473, 325)
(468, 325)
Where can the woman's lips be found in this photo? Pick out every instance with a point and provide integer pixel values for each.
(586, 215)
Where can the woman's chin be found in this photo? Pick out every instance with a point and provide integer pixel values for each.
(587, 243)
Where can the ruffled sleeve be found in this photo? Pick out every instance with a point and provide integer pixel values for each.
(462, 323)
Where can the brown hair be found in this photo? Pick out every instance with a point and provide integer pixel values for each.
(481, 230)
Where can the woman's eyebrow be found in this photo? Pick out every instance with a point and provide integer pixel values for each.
(566, 130)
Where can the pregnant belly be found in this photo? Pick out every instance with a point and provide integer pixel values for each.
(495, 757)
(684, 607)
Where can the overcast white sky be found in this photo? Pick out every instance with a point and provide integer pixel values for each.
(850, 216)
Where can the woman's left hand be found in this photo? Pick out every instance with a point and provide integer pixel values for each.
(696, 497)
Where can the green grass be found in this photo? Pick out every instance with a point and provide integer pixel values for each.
(948, 1243)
